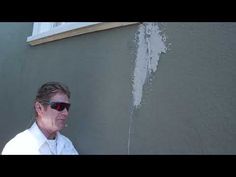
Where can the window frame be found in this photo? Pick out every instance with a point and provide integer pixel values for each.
(44, 32)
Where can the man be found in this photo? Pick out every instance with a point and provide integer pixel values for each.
(43, 137)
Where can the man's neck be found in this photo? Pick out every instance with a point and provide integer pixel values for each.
(48, 134)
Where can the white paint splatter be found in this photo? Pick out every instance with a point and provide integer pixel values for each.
(150, 44)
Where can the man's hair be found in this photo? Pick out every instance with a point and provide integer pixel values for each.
(48, 90)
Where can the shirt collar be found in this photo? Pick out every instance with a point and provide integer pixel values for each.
(41, 138)
(38, 134)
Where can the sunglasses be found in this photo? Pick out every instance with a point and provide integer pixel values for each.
(59, 106)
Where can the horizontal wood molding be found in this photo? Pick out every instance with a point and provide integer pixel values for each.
(39, 39)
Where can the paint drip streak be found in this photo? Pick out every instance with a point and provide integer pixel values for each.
(150, 44)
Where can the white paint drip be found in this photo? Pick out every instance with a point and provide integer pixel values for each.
(150, 44)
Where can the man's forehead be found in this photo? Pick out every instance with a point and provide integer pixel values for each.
(60, 97)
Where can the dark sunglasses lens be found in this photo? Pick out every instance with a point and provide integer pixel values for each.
(67, 106)
(60, 106)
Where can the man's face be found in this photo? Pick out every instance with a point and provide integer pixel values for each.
(52, 119)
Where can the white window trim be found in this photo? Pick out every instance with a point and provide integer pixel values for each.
(68, 30)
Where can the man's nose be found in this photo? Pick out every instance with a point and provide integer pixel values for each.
(65, 112)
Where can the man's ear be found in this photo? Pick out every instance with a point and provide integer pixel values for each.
(39, 108)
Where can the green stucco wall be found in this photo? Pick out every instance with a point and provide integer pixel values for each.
(187, 108)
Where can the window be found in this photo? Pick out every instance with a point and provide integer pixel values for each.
(51, 31)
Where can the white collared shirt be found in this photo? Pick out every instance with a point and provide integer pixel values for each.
(32, 141)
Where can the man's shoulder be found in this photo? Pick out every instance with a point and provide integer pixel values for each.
(18, 142)
(20, 136)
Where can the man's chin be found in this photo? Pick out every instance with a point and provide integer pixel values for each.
(61, 125)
